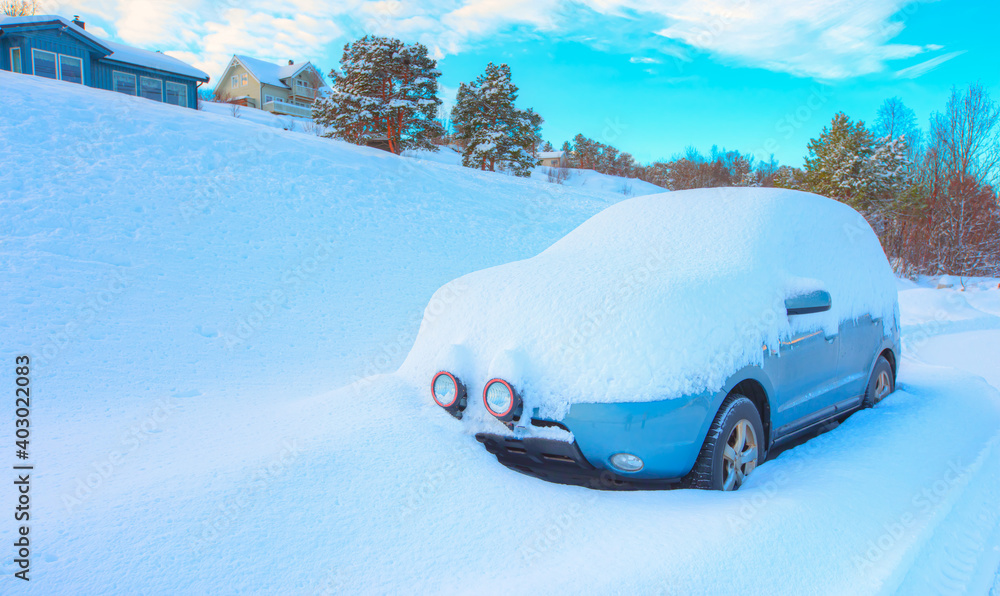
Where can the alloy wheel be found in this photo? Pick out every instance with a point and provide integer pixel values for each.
(883, 385)
(739, 457)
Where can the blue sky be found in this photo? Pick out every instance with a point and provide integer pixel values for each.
(648, 77)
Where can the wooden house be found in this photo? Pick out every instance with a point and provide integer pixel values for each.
(52, 47)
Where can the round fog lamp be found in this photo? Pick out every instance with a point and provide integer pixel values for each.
(626, 462)
(449, 393)
(501, 401)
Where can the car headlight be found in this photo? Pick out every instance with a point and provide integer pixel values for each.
(626, 462)
(501, 400)
(449, 393)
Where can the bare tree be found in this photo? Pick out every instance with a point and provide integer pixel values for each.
(958, 229)
(895, 120)
(966, 137)
(19, 8)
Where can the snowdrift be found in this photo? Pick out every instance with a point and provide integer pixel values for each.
(655, 297)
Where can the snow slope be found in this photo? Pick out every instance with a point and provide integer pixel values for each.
(139, 237)
(229, 238)
(586, 179)
(290, 123)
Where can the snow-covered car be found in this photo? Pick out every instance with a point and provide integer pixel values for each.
(670, 340)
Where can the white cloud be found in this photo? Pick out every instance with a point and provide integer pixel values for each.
(643, 60)
(912, 72)
(153, 22)
(97, 30)
(206, 33)
(825, 39)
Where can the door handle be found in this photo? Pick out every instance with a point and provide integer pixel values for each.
(792, 342)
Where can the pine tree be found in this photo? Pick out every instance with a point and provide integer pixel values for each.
(587, 152)
(496, 135)
(837, 162)
(849, 164)
(386, 89)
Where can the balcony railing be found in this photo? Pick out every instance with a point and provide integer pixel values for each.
(307, 93)
(288, 109)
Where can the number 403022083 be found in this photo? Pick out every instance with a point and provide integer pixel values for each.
(22, 404)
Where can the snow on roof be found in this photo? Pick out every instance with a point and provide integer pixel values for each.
(154, 60)
(654, 298)
(549, 154)
(119, 52)
(49, 18)
(269, 73)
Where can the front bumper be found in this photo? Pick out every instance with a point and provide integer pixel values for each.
(561, 462)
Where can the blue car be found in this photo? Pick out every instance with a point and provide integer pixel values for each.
(744, 319)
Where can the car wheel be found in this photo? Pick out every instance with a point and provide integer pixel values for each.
(881, 383)
(733, 448)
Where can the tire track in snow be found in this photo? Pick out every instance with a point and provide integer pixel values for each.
(960, 553)
(954, 552)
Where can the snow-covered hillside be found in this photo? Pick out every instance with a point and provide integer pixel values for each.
(216, 308)
(284, 122)
(250, 237)
(586, 179)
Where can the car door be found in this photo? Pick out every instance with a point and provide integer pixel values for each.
(804, 373)
(859, 340)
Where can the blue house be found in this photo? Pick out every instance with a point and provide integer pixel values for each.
(50, 46)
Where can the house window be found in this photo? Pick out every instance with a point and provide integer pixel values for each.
(15, 60)
(43, 63)
(71, 69)
(268, 98)
(123, 82)
(177, 94)
(244, 79)
(151, 88)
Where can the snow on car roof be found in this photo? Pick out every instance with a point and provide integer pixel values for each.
(655, 297)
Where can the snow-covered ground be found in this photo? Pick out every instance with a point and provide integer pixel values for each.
(585, 179)
(284, 122)
(207, 300)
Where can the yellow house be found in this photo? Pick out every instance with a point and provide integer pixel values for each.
(552, 159)
(287, 89)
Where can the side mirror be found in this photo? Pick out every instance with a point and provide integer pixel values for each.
(818, 301)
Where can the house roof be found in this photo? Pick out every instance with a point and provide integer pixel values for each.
(154, 60)
(549, 154)
(50, 19)
(115, 51)
(272, 74)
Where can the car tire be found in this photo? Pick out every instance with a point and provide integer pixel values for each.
(733, 448)
(880, 384)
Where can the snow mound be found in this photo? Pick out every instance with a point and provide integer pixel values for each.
(655, 297)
